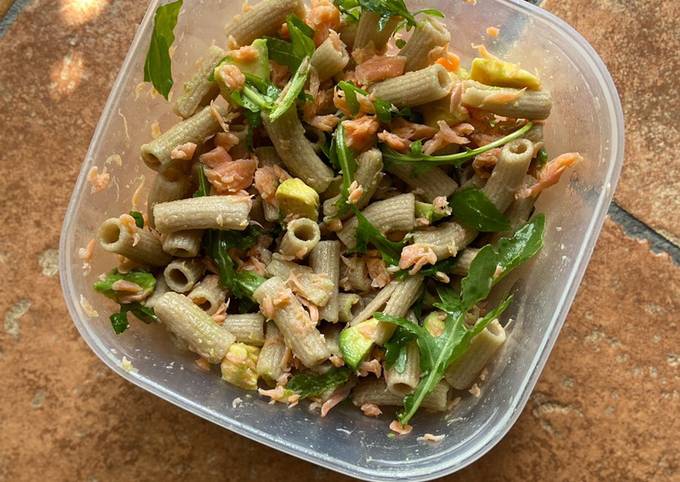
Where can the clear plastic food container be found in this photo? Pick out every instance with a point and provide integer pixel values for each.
(586, 117)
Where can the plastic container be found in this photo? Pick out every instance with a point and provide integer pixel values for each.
(587, 117)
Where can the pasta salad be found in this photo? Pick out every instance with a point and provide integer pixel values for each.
(336, 202)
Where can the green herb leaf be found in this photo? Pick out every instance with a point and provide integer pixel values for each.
(395, 8)
(383, 110)
(476, 286)
(314, 385)
(301, 37)
(349, 8)
(203, 186)
(146, 281)
(139, 218)
(523, 245)
(473, 209)
(417, 157)
(541, 158)
(119, 320)
(396, 349)
(158, 66)
(286, 99)
(369, 234)
(241, 284)
(347, 164)
(351, 92)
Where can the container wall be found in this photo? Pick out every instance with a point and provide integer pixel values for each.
(586, 118)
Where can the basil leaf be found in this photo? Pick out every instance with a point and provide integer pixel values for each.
(158, 66)
(286, 99)
(473, 209)
(369, 234)
(314, 385)
(138, 217)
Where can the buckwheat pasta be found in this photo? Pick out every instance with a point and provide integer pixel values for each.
(428, 35)
(325, 259)
(199, 90)
(508, 102)
(463, 372)
(415, 88)
(208, 212)
(134, 243)
(247, 328)
(182, 274)
(209, 295)
(157, 154)
(183, 244)
(193, 325)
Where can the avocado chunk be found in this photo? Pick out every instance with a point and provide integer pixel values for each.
(356, 342)
(297, 198)
(502, 74)
(239, 366)
(258, 66)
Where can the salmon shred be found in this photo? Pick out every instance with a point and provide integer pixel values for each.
(323, 17)
(371, 410)
(338, 396)
(233, 77)
(447, 136)
(98, 180)
(377, 271)
(246, 54)
(225, 174)
(365, 104)
(325, 123)
(394, 142)
(411, 130)
(397, 427)
(361, 133)
(380, 67)
(449, 61)
(551, 174)
(417, 255)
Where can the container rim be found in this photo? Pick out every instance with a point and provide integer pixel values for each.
(481, 445)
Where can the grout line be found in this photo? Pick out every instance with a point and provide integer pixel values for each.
(632, 226)
(11, 15)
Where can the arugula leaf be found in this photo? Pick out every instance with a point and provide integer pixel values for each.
(383, 110)
(347, 164)
(241, 284)
(541, 158)
(314, 385)
(158, 66)
(395, 8)
(476, 286)
(369, 234)
(351, 92)
(119, 320)
(417, 157)
(143, 279)
(395, 349)
(286, 99)
(138, 217)
(523, 245)
(349, 8)
(301, 37)
(203, 186)
(473, 209)
(438, 352)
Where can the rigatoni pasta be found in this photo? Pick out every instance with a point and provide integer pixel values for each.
(328, 228)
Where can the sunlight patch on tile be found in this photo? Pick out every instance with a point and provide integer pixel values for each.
(65, 75)
(77, 12)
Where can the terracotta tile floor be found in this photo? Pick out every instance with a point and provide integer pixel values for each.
(606, 407)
